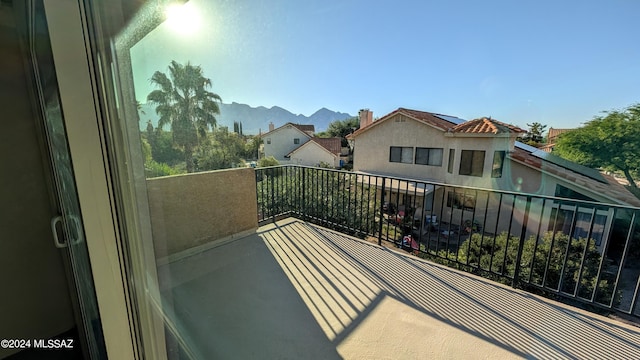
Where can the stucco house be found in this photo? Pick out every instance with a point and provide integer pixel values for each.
(481, 153)
(317, 151)
(297, 144)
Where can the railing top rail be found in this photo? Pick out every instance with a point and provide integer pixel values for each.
(441, 184)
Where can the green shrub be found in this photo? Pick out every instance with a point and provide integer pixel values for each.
(547, 254)
(268, 161)
(155, 169)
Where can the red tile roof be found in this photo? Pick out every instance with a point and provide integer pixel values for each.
(486, 126)
(305, 128)
(421, 116)
(612, 189)
(427, 118)
(554, 133)
(333, 145)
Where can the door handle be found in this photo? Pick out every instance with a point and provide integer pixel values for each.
(56, 241)
(75, 221)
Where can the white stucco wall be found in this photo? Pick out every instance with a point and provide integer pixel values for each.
(282, 142)
(313, 154)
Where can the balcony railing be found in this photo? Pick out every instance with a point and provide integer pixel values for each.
(585, 251)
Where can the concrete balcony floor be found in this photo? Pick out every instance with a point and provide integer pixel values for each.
(298, 291)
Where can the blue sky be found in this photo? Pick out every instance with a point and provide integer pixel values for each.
(555, 62)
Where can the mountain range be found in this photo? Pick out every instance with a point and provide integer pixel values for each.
(255, 119)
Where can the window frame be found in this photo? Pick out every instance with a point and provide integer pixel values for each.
(428, 157)
(497, 167)
(575, 222)
(472, 168)
(402, 157)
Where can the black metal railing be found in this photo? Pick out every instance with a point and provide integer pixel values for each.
(586, 251)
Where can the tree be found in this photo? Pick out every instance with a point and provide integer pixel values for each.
(252, 147)
(184, 102)
(534, 135)
(611, 141)
(237, 128)
(223, 151)
(341, 128)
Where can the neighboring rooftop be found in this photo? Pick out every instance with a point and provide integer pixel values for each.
(304, 128)
(308, 129)
(486, 126)
(333, 145)
(580, 175)
(554, 133)
(442, 122)
(437, 120)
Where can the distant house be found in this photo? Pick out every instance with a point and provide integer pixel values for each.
(552, 138)
(436, 147)
(317, 151)
(481, 153)
(297, 144)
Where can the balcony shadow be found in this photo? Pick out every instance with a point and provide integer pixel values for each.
(296, 290)
(235, 302)
(520, 323)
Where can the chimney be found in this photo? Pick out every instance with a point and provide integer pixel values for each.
(271, 127)
(366, 117)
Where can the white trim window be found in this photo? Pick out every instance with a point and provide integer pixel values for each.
(429, 156)
(472, 162)
(401, 154)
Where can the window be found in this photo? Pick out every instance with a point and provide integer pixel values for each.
(581, 220)
(429, 156)
(296, 141)
(452, 155)
(268, 140)
(498, 162)
(401, 154)
(461, 201)
(565, 192)
(471, 162)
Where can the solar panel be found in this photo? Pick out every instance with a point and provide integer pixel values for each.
(451, 119)
(556, 160)
(526, 147)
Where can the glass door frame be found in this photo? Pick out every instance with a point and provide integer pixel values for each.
(78, 97)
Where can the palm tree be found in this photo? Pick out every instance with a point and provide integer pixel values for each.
(184, 102)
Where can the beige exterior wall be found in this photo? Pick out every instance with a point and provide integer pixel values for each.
(372, 149)
(282, 142)
(487, 144)
(195, 209)
(313, 154)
